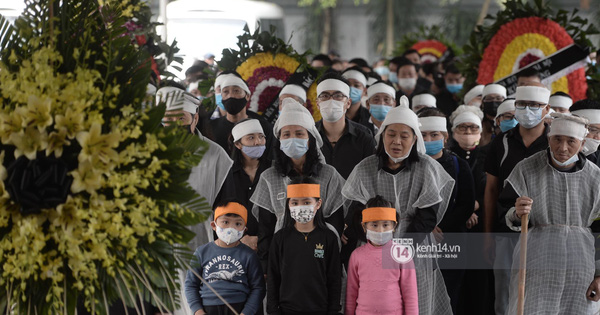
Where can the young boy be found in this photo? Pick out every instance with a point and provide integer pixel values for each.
(231, 268)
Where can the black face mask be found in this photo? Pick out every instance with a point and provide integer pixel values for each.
(234, 105)
(491, 108)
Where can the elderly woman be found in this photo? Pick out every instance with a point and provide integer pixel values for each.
(297, 154)
(419, 188)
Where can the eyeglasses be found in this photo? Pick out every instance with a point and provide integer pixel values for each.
(531, 105)
(464, 128)
(336, 96)
(593, 131)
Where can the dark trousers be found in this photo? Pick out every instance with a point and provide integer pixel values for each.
(223, 309)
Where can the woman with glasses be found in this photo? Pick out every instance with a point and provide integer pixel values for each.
(466, 135)
(297, 153)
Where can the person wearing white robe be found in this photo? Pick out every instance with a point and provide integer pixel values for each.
(558, 188)
(419, 188)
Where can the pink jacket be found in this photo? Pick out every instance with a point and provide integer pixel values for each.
(378, 285)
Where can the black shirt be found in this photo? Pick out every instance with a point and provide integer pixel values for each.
(594, 158)
(354, 145)
(446, 102)
(462, 201)
(362, 117)
(500, 163)
(221, 128)
(304, 274)
(244, 189)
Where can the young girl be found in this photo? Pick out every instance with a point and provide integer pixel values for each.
(376, 284)
(304, 273)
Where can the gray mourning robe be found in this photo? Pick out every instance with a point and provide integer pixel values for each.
(560, 245)
(420, 185)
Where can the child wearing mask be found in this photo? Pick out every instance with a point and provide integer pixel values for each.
(304, 273)
(377, 284)
(229, 267)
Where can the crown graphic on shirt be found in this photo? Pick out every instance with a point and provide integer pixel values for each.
(319, 246)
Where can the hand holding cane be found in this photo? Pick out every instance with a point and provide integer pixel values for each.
(522, 208)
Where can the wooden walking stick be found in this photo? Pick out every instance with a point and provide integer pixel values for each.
(522, 263)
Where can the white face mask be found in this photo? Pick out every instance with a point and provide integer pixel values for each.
(331, 110)
(303, 214)
(590, 146)
(229, 235)
(379, 238)
(399, 159)
(407, 83)
(570, 161)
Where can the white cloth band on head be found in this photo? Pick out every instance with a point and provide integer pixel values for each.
(333, 85)
(560, 101)
(192, 86)
(245, 128)
(176, 99)
(353, 74)
(403, 115)
(593, 115)
(150, 89)
(424, 99)
(494, 89)
(233, 80)
(467, 117)
(533, 93)
(433, 123)
(371, 80)
(293, 113)
(566, 127)
(381, 88)
(295, 90)
(473, 93)
(220, 78)
(505, 107)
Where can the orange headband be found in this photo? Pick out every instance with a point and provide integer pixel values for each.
(232, 208)
(378, 214)
(304, 190)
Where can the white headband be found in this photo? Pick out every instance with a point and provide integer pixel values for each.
(233, 80)
(353, 74)
(381, 88)
(593, 115)
(150, 89)
(533, 93)
(295, 90)
(466, 117)
(473, 93)
(506, 106)
(563, 126)
(293, 113)
(245, 128)
(494, 89)
(371, 80)
(433, 123)
(560, 101)
(424, 99)
(192, 86)
(220, 79)
(176, 99)
(333, 85)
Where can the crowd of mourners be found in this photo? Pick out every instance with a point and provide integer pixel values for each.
(305, 212)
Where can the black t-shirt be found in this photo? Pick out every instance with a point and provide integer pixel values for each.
(362, 117)
(221, 128)
(244, 189)
(446, 102)
(506, 150)
(354, 145)
(461, 205)
(304, 274)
